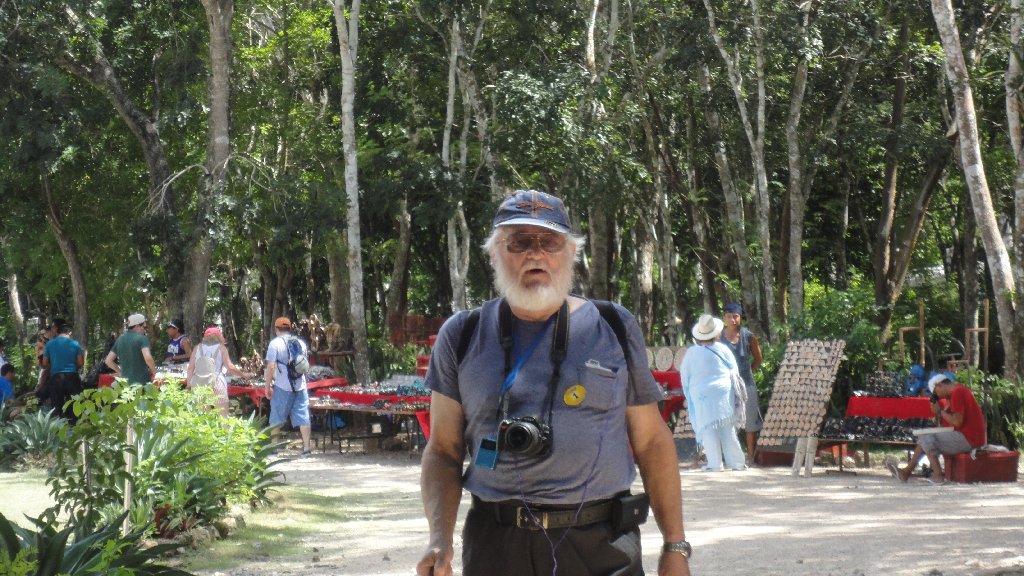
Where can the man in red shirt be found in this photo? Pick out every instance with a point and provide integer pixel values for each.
(962, 413)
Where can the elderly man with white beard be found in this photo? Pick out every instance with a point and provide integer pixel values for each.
(541, 401)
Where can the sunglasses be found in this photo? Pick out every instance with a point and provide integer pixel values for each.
(550, 243)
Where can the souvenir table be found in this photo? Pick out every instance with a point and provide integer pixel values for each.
(381, 409)
(259, 392)
(879, 407)
(163, 372)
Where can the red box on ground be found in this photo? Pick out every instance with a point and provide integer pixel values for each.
(987, 467)
(768, 458)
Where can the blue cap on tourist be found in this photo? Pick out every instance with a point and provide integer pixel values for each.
(733, 308)
(533, 208)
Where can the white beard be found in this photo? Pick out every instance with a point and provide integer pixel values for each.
(536, 298)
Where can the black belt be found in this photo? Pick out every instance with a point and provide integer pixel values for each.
(537, 517)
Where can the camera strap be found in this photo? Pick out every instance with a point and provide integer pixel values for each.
(509, 343)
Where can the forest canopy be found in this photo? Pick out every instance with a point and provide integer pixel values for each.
(233, 161)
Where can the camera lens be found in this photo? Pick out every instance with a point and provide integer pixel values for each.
(520, 438)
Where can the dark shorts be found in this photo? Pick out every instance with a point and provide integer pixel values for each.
(493, 549)
(61, 388)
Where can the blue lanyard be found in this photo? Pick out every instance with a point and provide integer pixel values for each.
(521, 359)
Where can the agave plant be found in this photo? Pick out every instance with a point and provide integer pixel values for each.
(79, 550)
(30, 435)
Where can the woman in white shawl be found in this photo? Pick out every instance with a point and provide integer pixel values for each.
(715, 395)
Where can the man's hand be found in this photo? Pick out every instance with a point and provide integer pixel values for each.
(673, 564)
(436, 562)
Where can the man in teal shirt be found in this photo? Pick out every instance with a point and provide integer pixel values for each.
(131, 351)
(63, 357)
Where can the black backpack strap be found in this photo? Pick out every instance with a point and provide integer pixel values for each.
(468, 329)
(611, 316)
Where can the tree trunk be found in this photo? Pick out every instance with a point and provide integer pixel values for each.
(1014, 111)
(307, 272)
(761, 321)
(70, 253)
(735, 223)
(219, 14)
(338, 278)
(348, 38)
(396, 299)
(797, 197)
(882, 249)
(698, 222)
(14, 303)
(968, 272)
(843, 222)
(600, 254)
(457, 232)
(1003, 282)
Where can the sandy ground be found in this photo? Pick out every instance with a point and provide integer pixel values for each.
(761, 522)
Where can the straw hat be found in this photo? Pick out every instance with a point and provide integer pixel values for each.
(707, 327)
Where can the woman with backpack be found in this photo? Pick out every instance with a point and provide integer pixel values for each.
(207, 367)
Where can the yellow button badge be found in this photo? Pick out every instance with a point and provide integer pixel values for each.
(574, 395)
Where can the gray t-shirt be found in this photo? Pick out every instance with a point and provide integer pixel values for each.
(590, 457)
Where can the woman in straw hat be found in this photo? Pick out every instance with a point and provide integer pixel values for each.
(715, 395)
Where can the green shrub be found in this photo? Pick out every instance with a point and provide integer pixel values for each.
(846, 315)
(79, 550)
(1002, 403)
(191, 463)
(386, 359)
(31, 437)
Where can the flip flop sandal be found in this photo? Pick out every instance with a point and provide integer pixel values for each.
(894, 471)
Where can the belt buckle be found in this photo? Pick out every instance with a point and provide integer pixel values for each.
(536, 521)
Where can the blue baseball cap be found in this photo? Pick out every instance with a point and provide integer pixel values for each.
(733, 308)
(533, 208)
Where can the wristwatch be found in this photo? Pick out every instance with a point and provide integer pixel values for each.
(682, 547)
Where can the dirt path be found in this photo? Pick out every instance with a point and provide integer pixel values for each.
(760, 522)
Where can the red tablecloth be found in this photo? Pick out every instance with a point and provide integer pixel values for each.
(257, 393)
(872, 406)
(669, 380)
(422, 417)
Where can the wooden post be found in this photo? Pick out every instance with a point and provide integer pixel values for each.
(129, 460)
(983, 345)
(920, 327)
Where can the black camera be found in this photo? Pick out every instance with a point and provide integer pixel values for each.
(524, 436)
(934, 399)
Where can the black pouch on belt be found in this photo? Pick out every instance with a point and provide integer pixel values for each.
(629, 511)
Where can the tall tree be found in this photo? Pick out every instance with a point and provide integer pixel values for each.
(1003, 281)
(763, 293)
(69, 250)
(346, 21)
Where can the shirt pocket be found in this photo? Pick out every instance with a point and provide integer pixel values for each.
(603, 388)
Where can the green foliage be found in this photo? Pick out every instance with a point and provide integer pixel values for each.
(30, 435)
(387, 359)
(1002, 403)
(190, 463)
(846, 315)
(79, 550)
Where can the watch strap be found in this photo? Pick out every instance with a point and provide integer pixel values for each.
(681, 547)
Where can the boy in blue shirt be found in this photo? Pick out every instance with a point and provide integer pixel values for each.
(6, 384)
